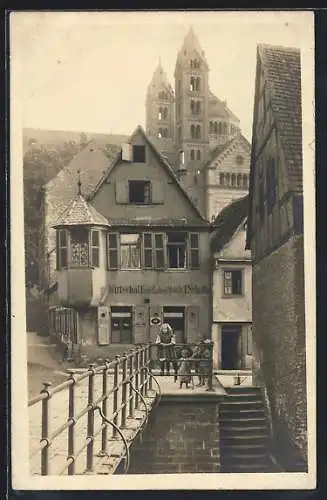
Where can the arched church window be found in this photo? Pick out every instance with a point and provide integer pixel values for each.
(192, 154)
(233, 180)
(164, 113)
(216, 127)
(225, 128)
(245, 180)
(197, 83)
(227, 180)
(198, 132)
(239, 180)
(160, 114)
(192, 84)
(192, 107)
(193, 131)
(160, 133)
(198, 155)
(220, 128)
(221, 179)
(210, 127)
(198, 107)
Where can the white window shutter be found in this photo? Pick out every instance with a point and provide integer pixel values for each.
(127, 152)
(121, 191)
(157, 192)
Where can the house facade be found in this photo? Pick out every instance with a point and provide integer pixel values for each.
(275, 237)
(134, 254)
(231, 289)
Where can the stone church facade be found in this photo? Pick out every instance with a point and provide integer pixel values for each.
(197, 132)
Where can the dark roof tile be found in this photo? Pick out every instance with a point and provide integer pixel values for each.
(227, 222)
(78, 213)
(282, 72)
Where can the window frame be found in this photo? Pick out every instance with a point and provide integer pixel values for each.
(61, 248)
(137, 147)
(145, 183)
(137, 245)
(192, 249)
(178, 245)
(232, 270)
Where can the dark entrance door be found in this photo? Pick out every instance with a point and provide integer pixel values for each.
(230, 356)
(121, 325)
(175, 316)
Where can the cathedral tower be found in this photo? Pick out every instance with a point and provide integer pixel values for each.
(191, 111)
(160, 112)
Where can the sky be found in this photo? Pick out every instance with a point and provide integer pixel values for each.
(90, 71)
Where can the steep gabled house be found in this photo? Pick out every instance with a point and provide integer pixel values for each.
(231, 290)
(275, 237)
(151, 250)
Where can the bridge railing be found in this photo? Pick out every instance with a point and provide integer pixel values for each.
(125, 382)
(131, 380)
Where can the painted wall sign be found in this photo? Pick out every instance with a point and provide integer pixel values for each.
(148, 290)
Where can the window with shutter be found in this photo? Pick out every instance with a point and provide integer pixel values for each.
(95, 248)
(112, 247)
(194, 250)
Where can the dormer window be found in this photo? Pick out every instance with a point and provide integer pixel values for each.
(139, 154)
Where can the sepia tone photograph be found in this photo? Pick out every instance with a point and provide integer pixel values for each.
(163, 250)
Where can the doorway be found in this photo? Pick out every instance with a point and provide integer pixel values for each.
(175, 316)
(230, 347)
(121, 325)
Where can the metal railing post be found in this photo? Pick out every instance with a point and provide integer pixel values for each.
(124, 392)
(210, 381)
(131, 377)
(145, 372)
(104, 434)
(71, 428)
(90, 422)
(142, 371)
(150, 367)
(115, 395)
(137, 363)
(45, 465)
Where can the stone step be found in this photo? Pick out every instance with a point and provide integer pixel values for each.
(248, 468)
(244, 390)
(249, 440)
(242, 397)
(243, 446)
(231, 431)
(241, 404)
(239, 413)
(241, 420)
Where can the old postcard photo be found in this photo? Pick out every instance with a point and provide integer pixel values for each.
(163, 250)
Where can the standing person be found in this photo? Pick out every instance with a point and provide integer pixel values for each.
(184, 371)
(166, 349)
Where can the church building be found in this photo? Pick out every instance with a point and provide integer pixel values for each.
(197, 132)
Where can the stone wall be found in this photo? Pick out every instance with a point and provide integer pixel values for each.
(181, 437)
(279, 335)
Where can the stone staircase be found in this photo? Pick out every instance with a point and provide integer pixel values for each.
(244, 435)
